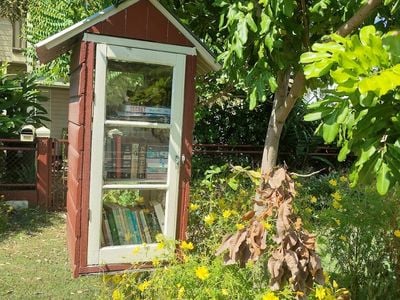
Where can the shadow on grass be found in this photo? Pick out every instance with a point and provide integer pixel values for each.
(29, 221)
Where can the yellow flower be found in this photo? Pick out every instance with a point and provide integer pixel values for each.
(160, 245)
(343, 178)
(136, 250)
(335, 285)
(333, 182)
(143, 286)
(186, 246)
(327, 277)
(209, 219)
(343, 238)
(202, 273)
(239, 226)
(159, 237)
(116, 279)
(397, 233)
(320, 293)
(336, 196)
(156, 262)
(270, 296)
(181, 292)
(117, 295)
(194, 207)
(266, 225)
(336, 204)
(224, 292)
(226, 214)
(313, 199)
(185, 258)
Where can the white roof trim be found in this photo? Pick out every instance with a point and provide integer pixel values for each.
(81, 26)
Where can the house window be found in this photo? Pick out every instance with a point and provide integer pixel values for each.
(18, 42)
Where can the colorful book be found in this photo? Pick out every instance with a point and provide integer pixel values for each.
(140, 225)
(144, 227)
(160, 215)
(134, 160)
(106, 231)
(142, 161)
(136, 238)
(112, 224)
(152, 223)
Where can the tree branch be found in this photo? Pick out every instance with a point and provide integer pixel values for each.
(359, 17)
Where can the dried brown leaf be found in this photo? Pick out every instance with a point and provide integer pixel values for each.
(292, 263)
(247, 216)
(277, 177)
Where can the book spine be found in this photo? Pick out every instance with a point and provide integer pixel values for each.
(140, 226)
(145, 227)
(118, 155)
(125, 225)
(113, 226)
(118, 223)
(137, 239)
(134, 160)
(160, 215)
(142, 161)
(106, 230)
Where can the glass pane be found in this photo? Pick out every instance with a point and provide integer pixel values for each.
(132, 216)
(135, 155)
(138, 92)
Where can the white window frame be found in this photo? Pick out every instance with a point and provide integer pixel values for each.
(134, 253)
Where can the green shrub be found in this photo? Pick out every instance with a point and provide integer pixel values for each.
(358, 236)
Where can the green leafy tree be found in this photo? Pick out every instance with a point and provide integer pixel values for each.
(360, 105)
(19, 103)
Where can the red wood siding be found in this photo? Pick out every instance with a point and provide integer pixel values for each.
(187, 140)
(79, 125)
(141, 21)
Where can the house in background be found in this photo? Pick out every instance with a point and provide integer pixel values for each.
(12, 51)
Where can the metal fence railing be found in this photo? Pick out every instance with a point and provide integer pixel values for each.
(17, 164)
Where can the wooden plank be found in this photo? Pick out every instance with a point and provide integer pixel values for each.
(29, 195)
(157, 26)
(175, 37)
(187, 140)
(136, 20)
(75, 110)
(74, 162)
(43, 172)
(75, 132)
(115, 25)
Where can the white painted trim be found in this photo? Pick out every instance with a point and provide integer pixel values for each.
(136, 186)
(131, 253)
(96, 177)
(118, 41)
(77, 28)
(138, 124)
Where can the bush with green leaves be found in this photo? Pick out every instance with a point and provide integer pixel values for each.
(359, 234)
(19, 103)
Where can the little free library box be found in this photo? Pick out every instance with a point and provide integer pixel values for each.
(130, 122)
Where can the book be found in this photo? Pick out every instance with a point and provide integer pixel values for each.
(112, 225)
(127, 230)
(152, 223)
(157, 162)
(157, 151)
(142, 161)
(119, 226)
(134, 160)
(157, 176)
(160, 215)
(136, 237)
(118, 156)
(144, 227)
(136, 109)
(140, 226)
(106, 230)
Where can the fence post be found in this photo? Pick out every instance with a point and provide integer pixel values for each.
(43, 172)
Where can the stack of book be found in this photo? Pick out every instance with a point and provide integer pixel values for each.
(145, 113)
(127, 226)
(126, 160)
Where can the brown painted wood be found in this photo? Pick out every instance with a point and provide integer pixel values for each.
(89, 98)
(29, 195)
(43, 171)
(76, 133)
(142, 22)
(136, 20)
(187, 149)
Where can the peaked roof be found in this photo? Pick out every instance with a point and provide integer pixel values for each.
(61, 42)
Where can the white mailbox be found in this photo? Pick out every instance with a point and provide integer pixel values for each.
(27, 133)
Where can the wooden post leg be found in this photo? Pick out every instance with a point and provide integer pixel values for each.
(43, 172)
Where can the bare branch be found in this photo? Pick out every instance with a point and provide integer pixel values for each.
(358, 18)
(307, 175)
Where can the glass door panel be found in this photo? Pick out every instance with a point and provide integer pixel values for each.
(135, 167)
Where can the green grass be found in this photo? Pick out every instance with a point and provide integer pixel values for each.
(34, 262)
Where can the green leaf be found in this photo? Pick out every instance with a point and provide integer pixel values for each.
(288, 8)
(310, 57)
(383, 179)
(365, 34)
(242, 30)
(318, 69)
(344, 151)
(317, 115)
(265, 23)
(340, 75)
(253, 98)
(329, 132)
(250, 22)
(233, 183)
